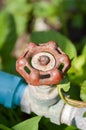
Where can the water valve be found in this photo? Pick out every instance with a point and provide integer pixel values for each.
(43, 64)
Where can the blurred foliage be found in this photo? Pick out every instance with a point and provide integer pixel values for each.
(20, 9)
(64, 18)
(31, 124)
(65, 44)
(83, 91)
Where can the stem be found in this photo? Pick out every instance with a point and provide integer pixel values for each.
(74, 103)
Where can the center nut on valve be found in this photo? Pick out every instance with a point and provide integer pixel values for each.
(43, 64)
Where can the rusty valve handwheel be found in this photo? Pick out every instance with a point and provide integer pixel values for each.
(41, 64)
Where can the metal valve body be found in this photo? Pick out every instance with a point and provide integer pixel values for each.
(40, 64)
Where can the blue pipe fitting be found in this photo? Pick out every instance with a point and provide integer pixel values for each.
(11, 89)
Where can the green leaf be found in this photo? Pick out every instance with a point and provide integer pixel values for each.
(30, 124)
(3, 127)
(3, 27)
(79, 62)
(71, 128)
(84, 50)
(77, 72)
(84, 115)
(83, 91)
(9, 43)
(65, 44)
(46, 124)
(65, 86)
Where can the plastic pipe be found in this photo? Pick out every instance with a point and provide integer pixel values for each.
(11, 89)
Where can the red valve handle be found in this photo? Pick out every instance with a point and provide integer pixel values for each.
(49, 73)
